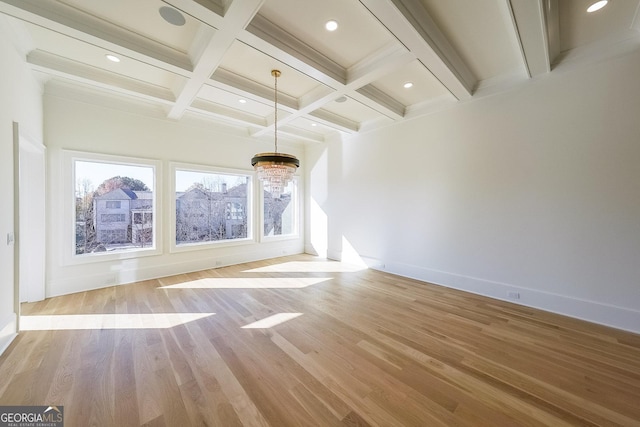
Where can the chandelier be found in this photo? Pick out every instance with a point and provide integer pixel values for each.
(275, 170)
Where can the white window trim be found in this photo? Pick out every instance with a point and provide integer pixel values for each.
(296, 215)
(188, 247)
(68, 196)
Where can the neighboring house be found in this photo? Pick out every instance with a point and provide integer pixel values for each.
(196, 216)
(142, 218)
(124, 216)
(235, 208)
(273, 214)
(203, 215)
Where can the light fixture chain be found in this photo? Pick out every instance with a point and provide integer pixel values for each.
(275, 123)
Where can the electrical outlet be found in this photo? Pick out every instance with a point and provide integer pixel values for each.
(513, 295)
(10, 238)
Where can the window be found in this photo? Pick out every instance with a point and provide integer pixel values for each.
(281, 213)
(211, 206)
(115, 201)
(235, 211)
(113, 217)
(142, 218)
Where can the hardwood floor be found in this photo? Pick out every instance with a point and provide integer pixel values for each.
(353, 348)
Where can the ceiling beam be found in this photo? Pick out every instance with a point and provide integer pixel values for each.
(249, 89)
(295, 108)
(230, 82)
(374, 97)
(225, 113)
(89, 29)
(635, 23)
(377, 65)
(412, 25)
(529, 25)
(272, 40)
(82, 73)
(236, 18)
(331, 120)
(552, 19)
(384, 62)
(360, 75)
(307, 59)
(296, 133)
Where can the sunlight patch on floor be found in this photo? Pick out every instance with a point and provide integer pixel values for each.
(309, 267)
(249, 283)
(271, 321)
(62, 322)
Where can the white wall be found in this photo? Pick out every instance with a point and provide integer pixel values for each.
(128, 129)
(21, 102)
(535, 191)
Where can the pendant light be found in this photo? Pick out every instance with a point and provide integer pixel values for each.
(275, 170)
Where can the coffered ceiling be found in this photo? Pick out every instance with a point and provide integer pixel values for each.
(213, 58)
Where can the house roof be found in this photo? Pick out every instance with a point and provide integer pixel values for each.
(118, 194)
(198, 193)
(144, 194)
(237, 191)
(194, 193)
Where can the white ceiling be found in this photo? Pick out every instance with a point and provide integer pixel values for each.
(452, 51)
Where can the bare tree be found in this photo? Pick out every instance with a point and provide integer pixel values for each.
(203, 210)
(142, 224)
(192, 214)
(85, 228)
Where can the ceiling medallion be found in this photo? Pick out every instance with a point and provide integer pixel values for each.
(275, 170)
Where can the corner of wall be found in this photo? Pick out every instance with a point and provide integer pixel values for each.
(8, 331)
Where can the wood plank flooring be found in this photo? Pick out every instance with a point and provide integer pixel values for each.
(352, 348)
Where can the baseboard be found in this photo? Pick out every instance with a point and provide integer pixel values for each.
(8, 331)
(591, 311)
(311, 250)
(334, 255)
(84, 283)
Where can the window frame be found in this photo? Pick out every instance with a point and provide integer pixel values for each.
(118, 204)
(174, 167)
(296, 200)
(70, 257)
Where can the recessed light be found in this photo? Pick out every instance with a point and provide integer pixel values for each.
(112, 58)
(407, 85)
(597, 5)
(331, 25)
(341, 99)
(172, 16)
(314, 124)
(242, 101)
